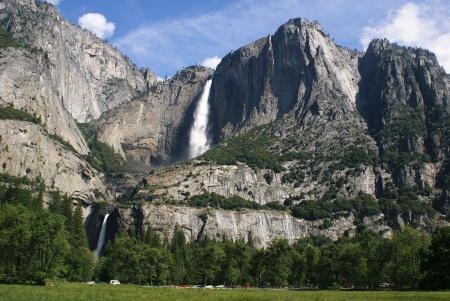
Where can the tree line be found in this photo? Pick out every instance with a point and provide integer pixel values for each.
(39, 244)
(411, 259)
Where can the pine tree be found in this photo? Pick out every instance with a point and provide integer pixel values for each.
(80, 259)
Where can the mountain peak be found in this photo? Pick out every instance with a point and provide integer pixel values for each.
(302, 23)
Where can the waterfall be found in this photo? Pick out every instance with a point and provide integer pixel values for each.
(198, 140)
(101, 238)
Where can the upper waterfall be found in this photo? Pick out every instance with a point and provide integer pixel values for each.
(198, 140)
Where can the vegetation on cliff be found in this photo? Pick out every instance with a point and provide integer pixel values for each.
(102, 156)
(6, 39)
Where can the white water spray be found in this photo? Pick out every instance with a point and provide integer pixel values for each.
(198, 140)
(101, 238)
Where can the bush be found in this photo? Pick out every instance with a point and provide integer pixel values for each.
(251, 148)
(215, 200)
(6, 39)
(15, 114)
(362, 206)
(102, 156)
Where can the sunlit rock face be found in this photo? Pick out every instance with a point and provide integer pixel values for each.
(299, 68)
(155, 128)
(263, 226)
(90, 75)
(362, 122)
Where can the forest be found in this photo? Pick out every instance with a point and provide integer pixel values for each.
(38, 245)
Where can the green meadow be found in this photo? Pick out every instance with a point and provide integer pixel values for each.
(72, 292)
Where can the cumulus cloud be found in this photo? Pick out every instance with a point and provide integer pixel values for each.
(417, 25)
(211, 62)
(97, 24)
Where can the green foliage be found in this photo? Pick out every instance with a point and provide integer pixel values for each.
(405, 200)
(400, 132)
(252, 148)
(435, 265)
(357, 155)
(63, 142)
(102, 156)
(361, 206)
(6, 39)
(15, 114)
(313, 210)
(408, 247)
(37, 245)
(274, 206)
(21, 191)
(215, 200)
(398, 159)
(51, 243)
(408, 123)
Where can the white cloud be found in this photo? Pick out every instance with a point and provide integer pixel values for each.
(175, 43)
(54, 2)
(211, 62)
(417, 25)
(97, 24)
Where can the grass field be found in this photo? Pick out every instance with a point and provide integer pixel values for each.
(72, 292)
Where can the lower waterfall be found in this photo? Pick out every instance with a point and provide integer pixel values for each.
(101, 238)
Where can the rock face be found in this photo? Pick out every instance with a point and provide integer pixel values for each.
(59, 73)
(293, 117)
(355, 122)
(33, 150)
(27, 150)
(174, 183)
(155, 127)
(90, 75)
(298, 69)
(264, 226)
(26, 85)
(407, 110)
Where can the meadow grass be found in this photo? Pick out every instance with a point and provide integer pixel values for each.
(73, 292)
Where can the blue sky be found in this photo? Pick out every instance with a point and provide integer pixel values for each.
(167, 35)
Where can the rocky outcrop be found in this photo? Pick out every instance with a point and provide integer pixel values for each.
(156, 126)
(264, 226)
(27, 150)
(298, 69)
(357, 122)
(89, 74)
(26, 84)
(59, 73)
(333, 122)
(405, 100)
(173, 184)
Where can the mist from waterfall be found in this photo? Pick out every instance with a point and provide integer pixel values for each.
(101, 238)
(198, 140)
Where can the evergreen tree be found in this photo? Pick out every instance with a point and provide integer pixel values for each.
(435, 265)
(80, 259)
(15, 235)
(408, 245)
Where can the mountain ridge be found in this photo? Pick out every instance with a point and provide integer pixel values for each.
(296, 120)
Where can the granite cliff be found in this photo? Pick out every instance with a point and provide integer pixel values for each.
(154, 128)
(309, 137)
(298, 119)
